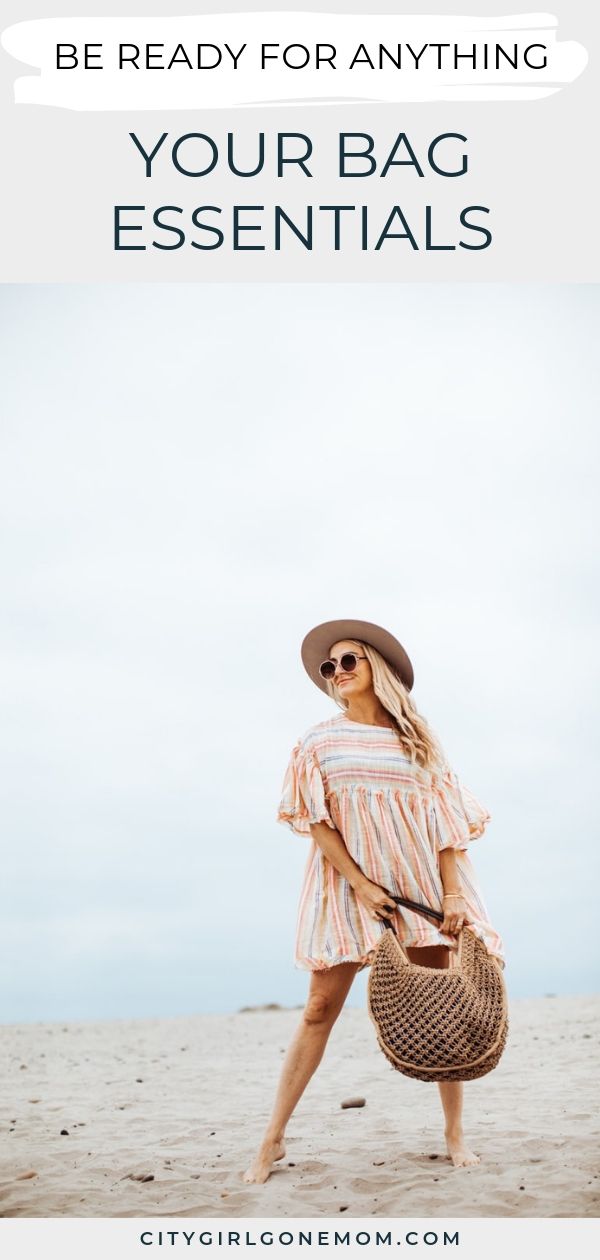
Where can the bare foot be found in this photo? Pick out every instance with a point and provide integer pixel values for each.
(269, 1153)
(460, 1154)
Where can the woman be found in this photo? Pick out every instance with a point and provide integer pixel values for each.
(386, 814)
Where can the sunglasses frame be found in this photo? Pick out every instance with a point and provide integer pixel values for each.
(344, 657)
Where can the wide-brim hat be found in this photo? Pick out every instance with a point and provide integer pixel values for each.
(316, 647)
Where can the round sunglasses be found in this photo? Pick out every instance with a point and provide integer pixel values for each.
(347, 662)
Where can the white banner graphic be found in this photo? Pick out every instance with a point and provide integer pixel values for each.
(217, 61)
(468, 1239)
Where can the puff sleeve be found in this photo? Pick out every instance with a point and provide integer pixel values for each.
(303, 799)
(457, 816)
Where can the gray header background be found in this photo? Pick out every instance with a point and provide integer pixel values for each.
(531, 163)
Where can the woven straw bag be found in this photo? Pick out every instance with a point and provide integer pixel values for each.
(434, 1024)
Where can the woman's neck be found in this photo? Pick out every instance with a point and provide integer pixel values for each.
(369, 711)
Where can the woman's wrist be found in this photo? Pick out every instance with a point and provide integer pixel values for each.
(359, 881)
(452, 892)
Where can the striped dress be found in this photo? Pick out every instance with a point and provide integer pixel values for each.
(394, 818)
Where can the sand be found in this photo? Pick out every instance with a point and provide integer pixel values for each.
(183, 1102)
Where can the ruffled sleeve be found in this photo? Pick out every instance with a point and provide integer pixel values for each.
(457, 816)
(303, 797)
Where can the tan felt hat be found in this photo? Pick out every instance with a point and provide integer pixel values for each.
(316, 647)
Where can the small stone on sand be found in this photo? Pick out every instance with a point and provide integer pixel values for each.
(352, 1102)
(26, 1176)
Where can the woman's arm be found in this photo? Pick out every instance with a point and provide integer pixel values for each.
(449, 871)
(331, 844)
(454, 905)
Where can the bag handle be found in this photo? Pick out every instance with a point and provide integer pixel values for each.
(417, 906)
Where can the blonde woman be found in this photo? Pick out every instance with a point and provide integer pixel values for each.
(386, 814)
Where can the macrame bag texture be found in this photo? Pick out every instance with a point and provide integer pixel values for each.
(434, 1024)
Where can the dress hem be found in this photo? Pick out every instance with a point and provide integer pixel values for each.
(364, 960)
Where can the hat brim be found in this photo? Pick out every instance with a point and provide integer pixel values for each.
(317, 644)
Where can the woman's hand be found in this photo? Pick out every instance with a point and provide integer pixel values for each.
(455, 913)
(376, 900)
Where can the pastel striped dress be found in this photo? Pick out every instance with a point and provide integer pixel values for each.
(395, 818)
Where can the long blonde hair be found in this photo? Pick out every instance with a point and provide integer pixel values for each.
(414, 732)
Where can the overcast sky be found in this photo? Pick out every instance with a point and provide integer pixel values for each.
(193, 476)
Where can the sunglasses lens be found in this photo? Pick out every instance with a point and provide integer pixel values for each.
(348, 661)
(327, 669)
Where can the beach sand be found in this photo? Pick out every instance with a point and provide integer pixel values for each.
(184, 1101)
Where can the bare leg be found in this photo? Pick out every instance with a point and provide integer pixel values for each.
(328, 992)
(451, 1092)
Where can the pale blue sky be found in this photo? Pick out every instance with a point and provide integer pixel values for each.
(193, 476)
